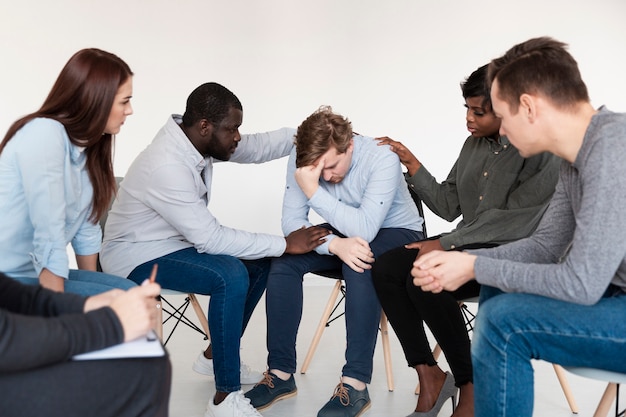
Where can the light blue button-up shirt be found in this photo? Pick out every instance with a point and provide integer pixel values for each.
(373, 195)
(45, 201)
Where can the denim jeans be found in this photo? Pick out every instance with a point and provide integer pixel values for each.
(514, 328)
(87, 282)
(235, 287)
(284, 305)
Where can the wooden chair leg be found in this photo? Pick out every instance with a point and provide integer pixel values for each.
(159, 326)
(200, 313)
(569, 396)
(604, 406)
(384, 331)
(437, 351)
(321, 326)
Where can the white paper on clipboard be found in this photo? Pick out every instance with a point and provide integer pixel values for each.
(144, 347)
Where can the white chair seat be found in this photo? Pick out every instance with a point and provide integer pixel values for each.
(611, 392)
(598, 374)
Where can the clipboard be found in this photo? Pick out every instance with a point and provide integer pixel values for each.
(148, 346)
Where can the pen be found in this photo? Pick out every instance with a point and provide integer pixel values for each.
(154, 273)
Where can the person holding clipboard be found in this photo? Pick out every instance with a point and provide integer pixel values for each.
(41, 331)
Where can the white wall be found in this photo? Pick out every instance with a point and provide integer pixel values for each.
(393, 67)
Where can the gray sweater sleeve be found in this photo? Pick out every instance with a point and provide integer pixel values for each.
(579, 246)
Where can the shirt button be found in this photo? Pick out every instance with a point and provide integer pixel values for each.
(485, 174)
(480, 198)
(452, 246)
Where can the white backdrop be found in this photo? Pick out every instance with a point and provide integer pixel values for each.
(393, 67)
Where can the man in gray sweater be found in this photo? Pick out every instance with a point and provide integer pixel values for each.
(559, 295)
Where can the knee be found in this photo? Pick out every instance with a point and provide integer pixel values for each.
(258, 271)
(393, 267)
(487, 292)
(381, 268)
(286, 267)
(236, 281)
(495, 323)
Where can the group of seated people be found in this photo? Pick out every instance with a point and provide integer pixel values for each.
(536, 185)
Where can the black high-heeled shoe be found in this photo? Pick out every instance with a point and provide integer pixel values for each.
(448, 390)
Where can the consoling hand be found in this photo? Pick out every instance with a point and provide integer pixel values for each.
(425, 246)
(407, 158)
(438, 270)
(353, 251)
(308, 178)
(305, 239)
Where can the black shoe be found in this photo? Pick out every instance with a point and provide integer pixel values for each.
(271, 389)
(346, 402)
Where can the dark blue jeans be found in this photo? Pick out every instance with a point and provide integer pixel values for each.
(235, 287)
(284, 305)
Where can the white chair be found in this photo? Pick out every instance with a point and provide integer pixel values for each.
(611, 392)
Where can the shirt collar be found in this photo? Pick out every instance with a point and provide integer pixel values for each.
(190, 151)
(77, 153)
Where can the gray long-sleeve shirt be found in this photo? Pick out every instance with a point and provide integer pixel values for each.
(500, 194)
(579, 247)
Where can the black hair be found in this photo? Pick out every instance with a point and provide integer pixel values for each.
(476, 86)
(210, 101)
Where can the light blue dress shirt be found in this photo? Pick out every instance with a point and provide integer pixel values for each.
(373, 195)
(45, 201)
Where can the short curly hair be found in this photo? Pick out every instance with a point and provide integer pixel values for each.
(319, 132)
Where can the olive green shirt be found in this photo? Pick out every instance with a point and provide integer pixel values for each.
(500, 195)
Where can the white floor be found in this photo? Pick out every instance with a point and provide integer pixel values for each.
(191, 391)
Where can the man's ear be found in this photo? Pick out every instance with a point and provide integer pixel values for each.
(528, 107)
(205, 128)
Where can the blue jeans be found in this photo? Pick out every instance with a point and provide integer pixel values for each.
(284, 305)
(514, 328)
(87, 282)
(235, 287)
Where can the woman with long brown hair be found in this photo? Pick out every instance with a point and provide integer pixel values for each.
(56, 176)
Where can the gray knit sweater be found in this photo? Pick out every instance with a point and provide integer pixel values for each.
(579, 247)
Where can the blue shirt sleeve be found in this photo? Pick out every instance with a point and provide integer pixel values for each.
(41, 164)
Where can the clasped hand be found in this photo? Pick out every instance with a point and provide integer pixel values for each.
(439, 270)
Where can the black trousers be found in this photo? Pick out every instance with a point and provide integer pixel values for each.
(408, 307)
(107, 388)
